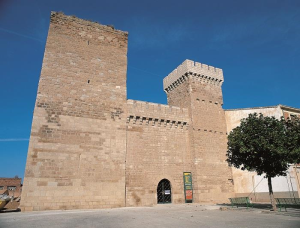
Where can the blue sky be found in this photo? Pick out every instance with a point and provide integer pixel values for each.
(256, 43)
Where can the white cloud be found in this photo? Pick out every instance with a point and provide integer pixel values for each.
(21, 35)
(13, 140)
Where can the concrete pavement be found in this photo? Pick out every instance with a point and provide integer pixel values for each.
(171, 215)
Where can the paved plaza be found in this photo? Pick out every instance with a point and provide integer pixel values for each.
(184, 215)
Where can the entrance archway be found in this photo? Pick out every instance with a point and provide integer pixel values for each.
(164, 194)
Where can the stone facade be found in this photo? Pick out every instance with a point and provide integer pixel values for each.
(197, 87)
(12, 185)
(157, 148)
(90, 147)
(76, 155)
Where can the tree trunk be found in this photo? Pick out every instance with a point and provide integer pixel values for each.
(271, 194)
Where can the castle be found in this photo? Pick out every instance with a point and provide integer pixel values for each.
(91, 147)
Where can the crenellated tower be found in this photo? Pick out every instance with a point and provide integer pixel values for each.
(197, 87)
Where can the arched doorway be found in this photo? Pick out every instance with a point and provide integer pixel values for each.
(164, 191)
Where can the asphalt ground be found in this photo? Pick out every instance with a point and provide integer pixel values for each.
(184, 215)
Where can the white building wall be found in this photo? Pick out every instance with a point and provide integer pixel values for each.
(249, 183)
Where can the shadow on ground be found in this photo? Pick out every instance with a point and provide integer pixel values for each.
(293, 211)
(10, 210)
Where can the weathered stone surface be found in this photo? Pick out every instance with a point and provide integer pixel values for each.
(90, 147)
(76, 156)
(201, 94)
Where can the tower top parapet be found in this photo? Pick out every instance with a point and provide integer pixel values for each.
(190, 68)
(73, 21)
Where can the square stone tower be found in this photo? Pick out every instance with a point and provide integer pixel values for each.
(197, 87)
(76, 155)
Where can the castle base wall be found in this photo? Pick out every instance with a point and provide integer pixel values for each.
(157, 149)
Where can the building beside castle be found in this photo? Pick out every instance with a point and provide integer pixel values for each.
(249, 183)
(91, 147)
(13, 186)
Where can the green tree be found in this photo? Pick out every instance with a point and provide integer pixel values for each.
(293, 138)
(265, 145)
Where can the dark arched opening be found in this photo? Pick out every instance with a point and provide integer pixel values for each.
(164, 194)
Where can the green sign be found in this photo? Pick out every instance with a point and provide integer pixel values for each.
(188, 187)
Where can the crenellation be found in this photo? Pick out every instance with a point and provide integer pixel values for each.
(159, 111)
(188, 68)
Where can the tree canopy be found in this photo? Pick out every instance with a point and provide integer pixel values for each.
(293, 139)
(265, 145)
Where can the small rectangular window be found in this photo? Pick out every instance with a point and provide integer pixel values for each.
(11, 188)
(1, 187)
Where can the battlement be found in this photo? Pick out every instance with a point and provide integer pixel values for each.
(146, 111)
(61, 18)
(188, 68)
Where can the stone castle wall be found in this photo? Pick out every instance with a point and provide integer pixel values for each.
(157, 113)
(90, 147)
(157, 148)
(76, 155)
